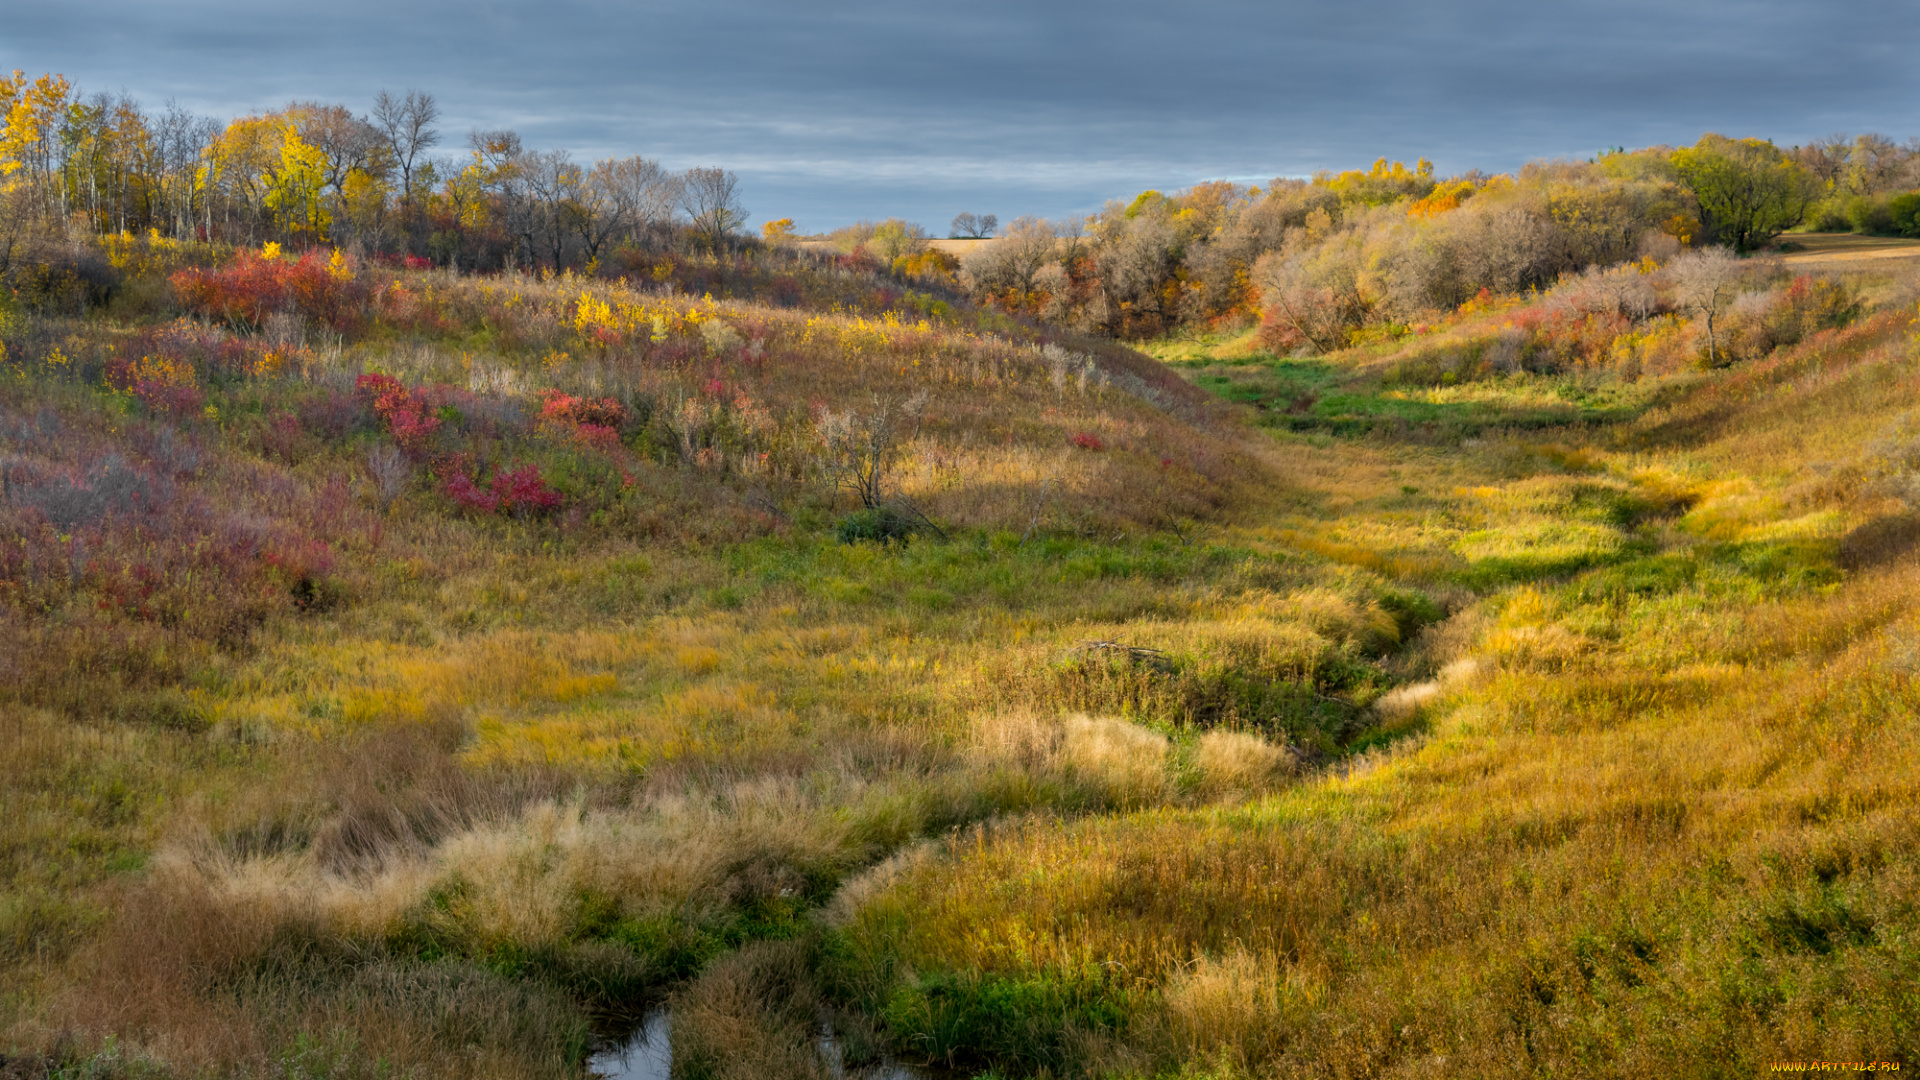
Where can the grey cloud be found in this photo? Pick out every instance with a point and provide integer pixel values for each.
(832, 111)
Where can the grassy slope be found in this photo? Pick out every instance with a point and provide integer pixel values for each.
(1663, 812)
(265, 794)
(1656, 805)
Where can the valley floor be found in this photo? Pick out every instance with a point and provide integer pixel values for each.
(1540, 724)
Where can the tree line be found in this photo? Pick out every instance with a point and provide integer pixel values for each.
(1323, 259)
(1317, 260)
(314, 173)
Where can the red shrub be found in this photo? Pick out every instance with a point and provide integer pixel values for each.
(180, 402)
(164, 366)
(523, 492)
(470, 496)
(247, 290)
(407, 413)
(122, 576)
(565, 408)
(588, 422)
(281, 438)
(520, 492)
(300, 566)
(1088, 441)
(404, 262)
(330, 414)
(597, 437)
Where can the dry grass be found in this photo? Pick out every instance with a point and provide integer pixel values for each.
(1126, 763)
(1229, 1007)
(754, 1014)
(1236, 763)
(1660, 812)
(1588, 749)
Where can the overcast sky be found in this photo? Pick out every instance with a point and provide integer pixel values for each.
(832, 112)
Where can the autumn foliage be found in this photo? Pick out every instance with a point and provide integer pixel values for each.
(590, 422)
(123, 574)
(408, 413)
(253, 286)
(518, 492)
(428, 662)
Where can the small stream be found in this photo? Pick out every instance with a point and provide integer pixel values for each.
(647, 1054)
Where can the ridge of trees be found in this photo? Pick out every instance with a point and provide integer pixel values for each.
(1321, 260)
(313, 173)
(1318, 260)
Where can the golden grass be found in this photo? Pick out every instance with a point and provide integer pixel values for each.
(1643, 827)
(1636, 790)
(1236, 763)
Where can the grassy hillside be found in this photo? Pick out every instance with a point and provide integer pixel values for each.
(1660, 810)
(412, 674)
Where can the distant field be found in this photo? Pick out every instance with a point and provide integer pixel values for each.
(1833, 249)
(951, 247)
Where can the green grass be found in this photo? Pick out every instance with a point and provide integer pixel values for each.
(1310, 395)
(1536, 722)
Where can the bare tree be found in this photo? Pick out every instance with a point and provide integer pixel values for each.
(181, 139)
(712, 202)
(499, 166)
(1136, 258)
(858, 451)
(388, 469)
(599, 214)
(407, 125)
(627, 198)
(1705, 282)
(1826, 158)
(552, 184)
(1318, 288)
(1315, 313)
(1612, 290)
(971, 226)
(1014, 262)
(495, 149)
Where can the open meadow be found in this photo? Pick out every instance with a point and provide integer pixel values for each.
(456, 614)
(436, 681)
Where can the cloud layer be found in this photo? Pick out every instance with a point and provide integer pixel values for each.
(835, 111)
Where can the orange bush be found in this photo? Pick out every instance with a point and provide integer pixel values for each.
(252, 287)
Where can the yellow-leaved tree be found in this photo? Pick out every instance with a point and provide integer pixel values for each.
(31, 110)
(1387, 182)
(294, 189)
(273, 175)
(239, 162)
(363, 197)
